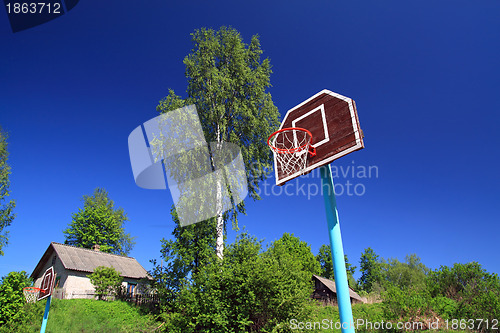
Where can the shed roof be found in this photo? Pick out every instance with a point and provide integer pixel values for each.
(86, 260)
(331, 285)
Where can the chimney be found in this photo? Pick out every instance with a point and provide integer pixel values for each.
(96, 247)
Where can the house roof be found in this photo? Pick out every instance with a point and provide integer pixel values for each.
(86, 260)
(331, 285)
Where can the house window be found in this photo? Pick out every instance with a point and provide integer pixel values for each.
(53, 260)
(131, 288)
(56, 284)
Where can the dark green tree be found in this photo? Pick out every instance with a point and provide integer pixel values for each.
(6, 207)
(290, 246)
(403, 275)
(462, 282)
(371, 270)
(106, 281)
(324, 257)
(11, 295)
(98, 222)
(227, 81)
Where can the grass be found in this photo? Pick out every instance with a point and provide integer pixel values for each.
(82, 315)
(86, 316)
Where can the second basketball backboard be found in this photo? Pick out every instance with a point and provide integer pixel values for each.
(47, 283)
(333, 122)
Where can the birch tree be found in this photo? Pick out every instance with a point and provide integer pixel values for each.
(228, 82)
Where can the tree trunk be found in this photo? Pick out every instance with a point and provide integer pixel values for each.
(220, 236)
(220, 219)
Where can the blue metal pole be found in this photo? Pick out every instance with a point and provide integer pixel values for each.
(45, 315)
(343, 298)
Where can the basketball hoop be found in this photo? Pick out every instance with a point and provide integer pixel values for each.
(31, 294)
(291, 147)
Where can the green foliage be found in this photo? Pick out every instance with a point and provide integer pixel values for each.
(373, 313)
(410, 273)
(371, 270)
(28, 318)
(290, 246)
(227, 81)
(6, 207)
(249, 290)
(320, 314)
(82, 315)
(349, 268)
(192, 247)
(445, 307)
(106, 280)
(406, 304)
(476, 292)
(477, 304)
(368, 313)
(324, 257)
(378, 274)
(453, 281)
(11, 295)
(401, 286)
(170, 102)
(463, 291)
(98, 222)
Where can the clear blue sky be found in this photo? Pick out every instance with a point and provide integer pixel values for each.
(425, 77)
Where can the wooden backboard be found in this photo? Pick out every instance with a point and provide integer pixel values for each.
(47, 284)
(333, 122)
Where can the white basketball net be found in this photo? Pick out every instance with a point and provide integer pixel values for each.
(31, 294)
(291, 147)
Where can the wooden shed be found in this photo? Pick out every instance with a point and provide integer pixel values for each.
(326, 292)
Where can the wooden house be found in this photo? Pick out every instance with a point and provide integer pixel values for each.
(72, 265)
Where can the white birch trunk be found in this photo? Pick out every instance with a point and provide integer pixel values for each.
(220, 236)
(220, 222)
(220, 219)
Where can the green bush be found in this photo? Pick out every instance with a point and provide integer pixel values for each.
(106, 280)
(408, 274)
(27, 319)
(11, 294)
(248, 291)
(445, 307)
(475, 291)
(479, 301)
(406, 304)
(369, 312)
